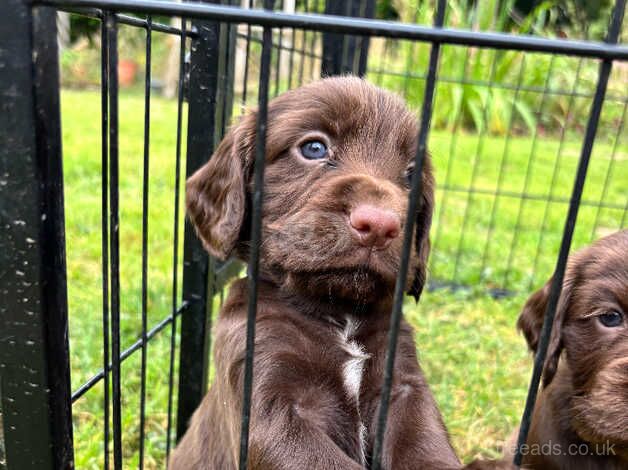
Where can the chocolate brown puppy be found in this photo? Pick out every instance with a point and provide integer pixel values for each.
(339, 156)
(581, 416)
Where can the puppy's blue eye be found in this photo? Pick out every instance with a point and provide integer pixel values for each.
(611, 319)
(314, 150)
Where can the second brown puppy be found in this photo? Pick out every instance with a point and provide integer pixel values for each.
(581, 416)
(339, 157)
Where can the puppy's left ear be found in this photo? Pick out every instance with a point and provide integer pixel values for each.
(422, 229)
(530, 323)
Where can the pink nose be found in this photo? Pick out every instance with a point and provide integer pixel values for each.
(374, 227)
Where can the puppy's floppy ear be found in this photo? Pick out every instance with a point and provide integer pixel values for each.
(422, 229)
(216, 193)
(530, 322)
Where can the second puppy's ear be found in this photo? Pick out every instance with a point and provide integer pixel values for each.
(530, 323)
(216, 193)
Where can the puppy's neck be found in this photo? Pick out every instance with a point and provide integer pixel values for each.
(333, 308)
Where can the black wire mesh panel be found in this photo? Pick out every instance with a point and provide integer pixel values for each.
(495, 227)
(242, 57)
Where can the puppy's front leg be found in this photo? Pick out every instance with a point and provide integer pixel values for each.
(297, 423)
(291, 442)
(415, 436)
(299, 413)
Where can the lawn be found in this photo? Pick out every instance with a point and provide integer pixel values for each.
(473, 357)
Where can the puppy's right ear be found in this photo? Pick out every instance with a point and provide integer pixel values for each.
(530, 323)
(216, 193)
(422, 233)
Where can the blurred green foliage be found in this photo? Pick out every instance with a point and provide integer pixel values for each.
(497, 91)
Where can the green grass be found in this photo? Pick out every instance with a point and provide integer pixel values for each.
(476, 363)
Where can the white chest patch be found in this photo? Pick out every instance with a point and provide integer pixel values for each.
(352, 371)
(353, 368)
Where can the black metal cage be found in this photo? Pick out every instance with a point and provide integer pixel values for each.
(281, 51)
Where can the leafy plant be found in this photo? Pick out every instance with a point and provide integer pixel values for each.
(489, 90)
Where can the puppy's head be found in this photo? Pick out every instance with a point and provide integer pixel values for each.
(591, 326)
(339, 158)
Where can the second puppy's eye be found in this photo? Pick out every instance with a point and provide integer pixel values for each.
(314, 150)
(611, 319)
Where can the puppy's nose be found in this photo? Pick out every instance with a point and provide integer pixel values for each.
(374, 227)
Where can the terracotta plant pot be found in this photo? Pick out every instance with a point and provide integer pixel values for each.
(127, 71)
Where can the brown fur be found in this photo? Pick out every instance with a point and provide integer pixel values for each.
(320, 290)
(585, 393)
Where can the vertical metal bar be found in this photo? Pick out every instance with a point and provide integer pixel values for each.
(555, 172)
(415, 193)
(195, 322)
(175, 243)
(245, 78)
(34, 350)
(256, 224)
(367, 12)
(104, 224)
(229, 76)
(278, 62)
(570, 222)
(226, 72)
(529, 165)
(306, 9)
(332, 42)
(348, 42)
(410, 58)
(343, 53)
(114, 236)
(453, 147)
(313, 43)
(609, 171)
(145, 184)
(293, 39)
(502, 167)
(476, 160)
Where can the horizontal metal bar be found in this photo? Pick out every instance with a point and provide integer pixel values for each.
(79, 392)
(281, 47)
(355, 26)
(532, 197)
(130, 21)
(503, 86)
